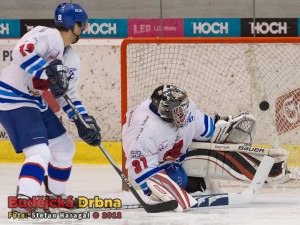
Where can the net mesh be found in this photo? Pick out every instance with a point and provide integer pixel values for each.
(227, 78)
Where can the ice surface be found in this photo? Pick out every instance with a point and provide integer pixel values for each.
(273, 205)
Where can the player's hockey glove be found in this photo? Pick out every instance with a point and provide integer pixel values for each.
(90, 135)
(57, 78)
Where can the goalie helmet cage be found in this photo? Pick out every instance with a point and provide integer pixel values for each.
(225, 76)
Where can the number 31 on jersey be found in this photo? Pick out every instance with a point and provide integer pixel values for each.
(139, 164)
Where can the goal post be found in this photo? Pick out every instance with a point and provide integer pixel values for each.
(225, 76)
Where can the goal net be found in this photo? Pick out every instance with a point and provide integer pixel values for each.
(225, 76)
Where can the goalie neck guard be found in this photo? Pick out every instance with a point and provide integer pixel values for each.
(171, 103)
(67, 14)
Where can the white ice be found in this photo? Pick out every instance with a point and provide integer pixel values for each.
(276, 205)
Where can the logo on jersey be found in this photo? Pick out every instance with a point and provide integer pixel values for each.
(129, 116)
(163, 145)
(174, 153)
(35, 93)
(54, 57)
(136, 154)
(189, 119)
(71, 71)
(142, 127)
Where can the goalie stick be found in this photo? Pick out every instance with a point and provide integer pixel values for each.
(238, 148)
(160, 207)
(240, 198)
(243, 197)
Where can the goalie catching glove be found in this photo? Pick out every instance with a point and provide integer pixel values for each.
(90, 135)
(234, 129)
(57, 78)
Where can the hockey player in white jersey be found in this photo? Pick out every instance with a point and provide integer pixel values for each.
(156, 138)
(43, 59)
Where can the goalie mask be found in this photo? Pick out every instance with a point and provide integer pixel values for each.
(171, 103)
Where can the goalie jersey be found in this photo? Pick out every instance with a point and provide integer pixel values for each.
(33, 53)
(152, 144)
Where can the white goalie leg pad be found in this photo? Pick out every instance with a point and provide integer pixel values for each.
(279, 173)
(210, 165)
(232, 166)
(164, 188)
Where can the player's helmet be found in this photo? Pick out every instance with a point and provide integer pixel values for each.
(171, 103)
(67, 14)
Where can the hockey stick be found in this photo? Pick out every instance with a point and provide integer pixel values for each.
(243, 197)
(160, 207)
(237, 148)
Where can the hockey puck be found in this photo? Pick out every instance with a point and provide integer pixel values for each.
(264, 105)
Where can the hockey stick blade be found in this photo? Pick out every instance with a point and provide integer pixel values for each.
(244, 197)
(160, 207)
(124, 207)
(155, 208)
